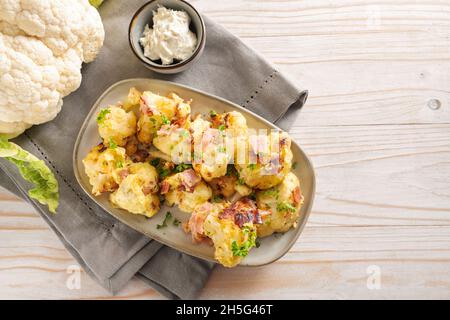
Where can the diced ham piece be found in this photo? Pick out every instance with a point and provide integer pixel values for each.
(147, 107)
(123, 173)
(189, 179)
(165, 187)
(242, 211)
(147, 190)
(297, 196)
(164, 131)
(195, 224)
(208, 137)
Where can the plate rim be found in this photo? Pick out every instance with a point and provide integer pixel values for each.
(83, 127)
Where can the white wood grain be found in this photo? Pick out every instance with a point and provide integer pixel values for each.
(382, 158)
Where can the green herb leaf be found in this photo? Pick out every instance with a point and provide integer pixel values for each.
(272, 192)
(155, 162)
(217, 198)
(176, 222)
(222, 127)
(294, 165)
(285, 206)
(45, 186)
(213, 113)
(252, 166)
(163, 172)
(112, 143)
(185, 133)
(119, 164)
(244, 248)
(164, 119)
(167, 218)
(221, 149)
(102, 115)
(96, 3)
(182, 166)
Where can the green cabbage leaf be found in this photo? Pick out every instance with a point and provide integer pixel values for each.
(96, 3)
(45, 186)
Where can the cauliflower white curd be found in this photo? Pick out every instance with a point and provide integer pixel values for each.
(42, 46)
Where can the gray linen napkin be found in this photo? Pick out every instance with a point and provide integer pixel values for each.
(108, 250)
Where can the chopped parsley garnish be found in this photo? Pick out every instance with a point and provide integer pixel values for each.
(244, 248)
(167, 218)
(217, 198)
(176, 222)
(271, 192)
(155, 162)
(185, 133)
(252, 166)
(182, 166)
(164, 119)
(163, 172)
(119, 164)
(102, 115)
(112, 143)
(222, 127)
(294, 165)
(231, 170)
(285, 206)
(221, 149)
(213, 113)
(241, 181)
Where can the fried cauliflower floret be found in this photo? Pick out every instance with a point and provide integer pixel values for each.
(197, 219)
(224, 186)
(268, 161)
(211, 159)
(174, 142)
(229, 184)
(137, 192)
(157, 111)
(226, 236)
(232, 231)
(101, 164)
(115, 125)
(234, 121)
(133, 99)
(282, 204)
(235, 126)
(231, 228)
(185, 189)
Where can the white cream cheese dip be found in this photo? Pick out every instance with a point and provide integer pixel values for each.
(170, 37)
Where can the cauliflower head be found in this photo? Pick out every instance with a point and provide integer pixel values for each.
(43, 44)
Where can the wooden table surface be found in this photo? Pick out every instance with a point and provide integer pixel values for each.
(377, 128)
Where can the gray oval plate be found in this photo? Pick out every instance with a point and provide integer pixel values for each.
(272, 248)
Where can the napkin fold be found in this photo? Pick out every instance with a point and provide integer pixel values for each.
(109, 251)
